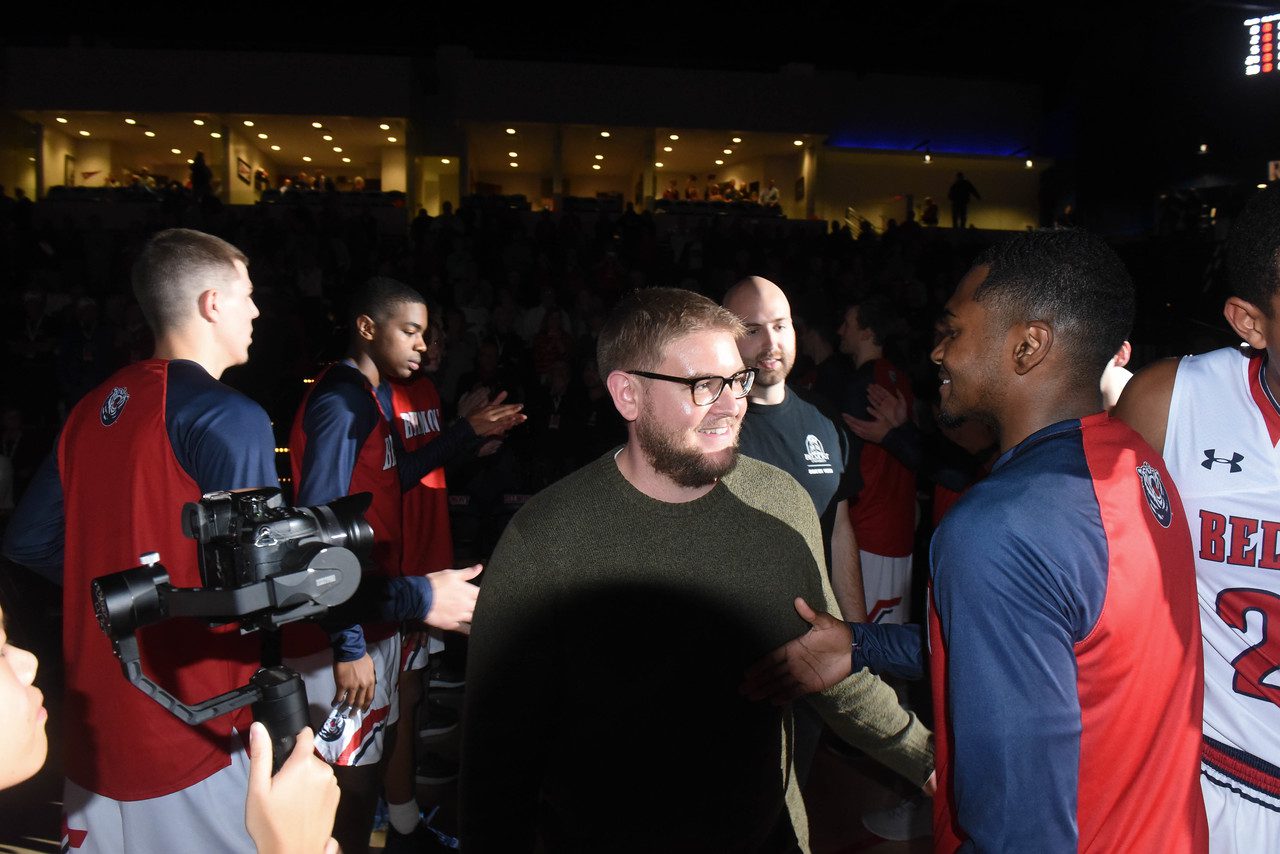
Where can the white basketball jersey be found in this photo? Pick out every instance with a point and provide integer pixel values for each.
(1220, 447)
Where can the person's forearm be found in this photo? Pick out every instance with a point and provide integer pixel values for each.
(846, 569)
(454, 441)
(864, 712)
(904, 443)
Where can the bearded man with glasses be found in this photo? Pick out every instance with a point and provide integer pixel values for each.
(623, 605)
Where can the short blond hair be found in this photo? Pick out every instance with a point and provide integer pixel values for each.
(646, 321)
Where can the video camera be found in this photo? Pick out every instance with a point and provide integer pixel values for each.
(263, 564)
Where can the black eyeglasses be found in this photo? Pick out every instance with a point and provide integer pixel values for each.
(706, 390)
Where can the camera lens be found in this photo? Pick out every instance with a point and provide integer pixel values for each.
(342, 523)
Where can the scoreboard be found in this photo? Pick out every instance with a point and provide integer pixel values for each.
(1262, 55)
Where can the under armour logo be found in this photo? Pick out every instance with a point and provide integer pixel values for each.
(1210, 459)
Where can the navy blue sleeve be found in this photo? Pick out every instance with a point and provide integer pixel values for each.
(453, 441)
(338, 420)
(904, 442)
(889, 649)
(34, 536)
(220, 437)
(1009, 617)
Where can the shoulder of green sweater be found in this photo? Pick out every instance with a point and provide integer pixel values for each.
(764, 486)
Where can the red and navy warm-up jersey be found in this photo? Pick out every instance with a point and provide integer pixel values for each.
(154, 436)
(884, 514)
(1066, 654)
(341, 444)
(427, 540)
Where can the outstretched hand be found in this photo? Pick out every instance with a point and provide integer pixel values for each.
(453, 599)
(816, 660)
(292, 812)
(496, 418)
(888, 409)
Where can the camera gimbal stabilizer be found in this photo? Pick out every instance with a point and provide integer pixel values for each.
(288, 564)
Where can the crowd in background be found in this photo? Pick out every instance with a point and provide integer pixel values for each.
(519, 298)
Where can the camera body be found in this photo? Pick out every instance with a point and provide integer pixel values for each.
(249, 535)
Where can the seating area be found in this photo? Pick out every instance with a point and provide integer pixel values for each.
(698, 207)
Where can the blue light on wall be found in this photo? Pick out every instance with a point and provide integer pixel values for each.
(988, 146)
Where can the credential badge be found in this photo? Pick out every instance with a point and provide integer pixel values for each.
(1157, 497)
(113, 406)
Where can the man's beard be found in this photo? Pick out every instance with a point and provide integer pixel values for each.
(764, 378)
(687, 467)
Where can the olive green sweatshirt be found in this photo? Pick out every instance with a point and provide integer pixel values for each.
(611, 635)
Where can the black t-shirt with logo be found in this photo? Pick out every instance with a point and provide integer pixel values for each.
(813, 447)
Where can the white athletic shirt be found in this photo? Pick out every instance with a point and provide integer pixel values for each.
(1220, 447)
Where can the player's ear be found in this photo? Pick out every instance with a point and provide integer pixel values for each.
(207, 304)
(1031, 345)
(1248, 321)
(366, 327)
(623, 389)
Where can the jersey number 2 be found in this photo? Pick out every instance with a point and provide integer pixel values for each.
(1262, 659)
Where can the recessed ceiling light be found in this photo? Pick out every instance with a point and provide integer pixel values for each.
(60, 120)
(674, 137)
(262, 136)
(275, 148)
(84, 133)
(385, 126)
(737, 139)
(599, 157)
(604, 133)
(719, 162)
(658, 164)
(1260, 186)
(198, 122)
(512, 154)
(317, 125)
(392, 139)
(131, 121)
(306, 158)
(444, 160)
(666, 148)
(1030, 164)
(595, 165)
(189, 160)
(176, 150)
(248, 123)
(337, 149)
(215, 135)
(346, 160)
(148, 133)
(327, 138)
(511, 130)
(728, 151)
(515, 165)
(797, 142)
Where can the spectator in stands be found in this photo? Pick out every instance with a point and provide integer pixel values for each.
(959, 194)
(201, 176)
(929, 217)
